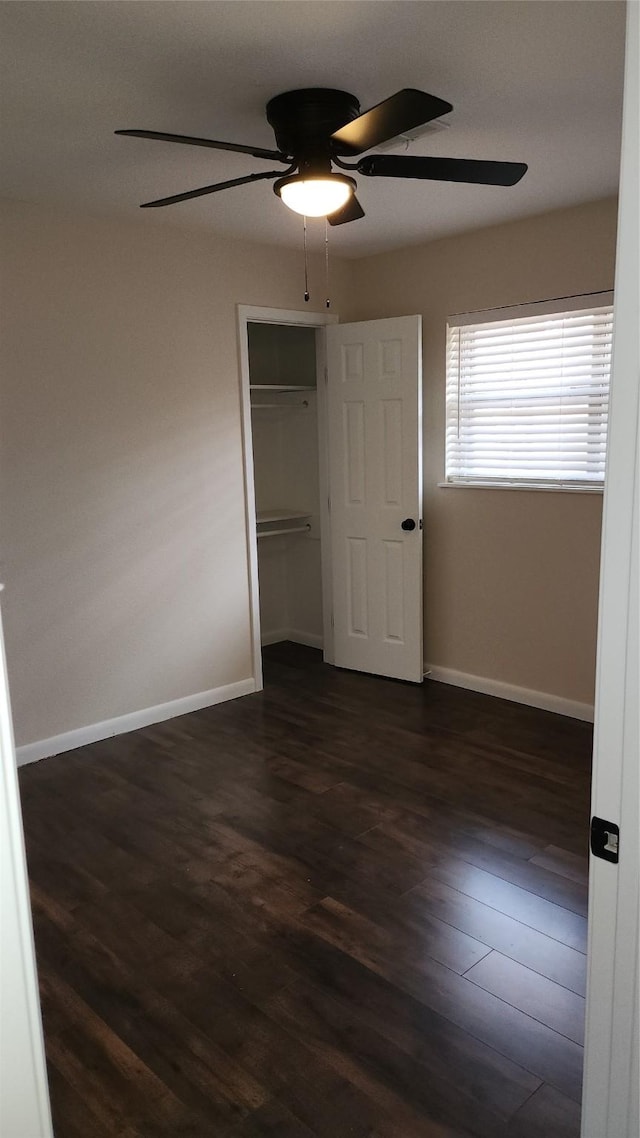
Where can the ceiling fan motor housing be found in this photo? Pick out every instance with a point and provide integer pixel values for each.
(303, 122)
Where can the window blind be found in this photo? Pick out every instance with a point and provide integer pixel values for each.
(527, 396)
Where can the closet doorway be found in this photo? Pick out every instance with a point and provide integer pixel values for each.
(283, 368)
(332, 437)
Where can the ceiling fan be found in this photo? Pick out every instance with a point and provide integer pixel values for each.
(317, 127)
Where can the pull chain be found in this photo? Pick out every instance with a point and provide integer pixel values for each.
(306, 265)
(326, 263)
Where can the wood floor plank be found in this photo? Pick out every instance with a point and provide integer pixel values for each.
(531, 993)
(539, 1049)
(388, 1076)
(352, 810)
(434, 844)
(318, 1096)
(70, 884)
(191, 1065)
(116, 1084)
(272, 1118)
(497, 823)
(429, 814)
(88, 968)
(566, 864)
(546, 1113)
(548, 918)
(446, 1051)
(225, 938)
(317, 778)
(543, 954)
(313, 845)
(404, 929)
(73, 1118)
(133, 937)
(342, 907)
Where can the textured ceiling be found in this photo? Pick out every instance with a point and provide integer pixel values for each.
(539, 82)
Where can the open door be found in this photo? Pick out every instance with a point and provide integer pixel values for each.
(374, 427)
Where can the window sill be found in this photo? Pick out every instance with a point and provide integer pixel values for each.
(532, 486)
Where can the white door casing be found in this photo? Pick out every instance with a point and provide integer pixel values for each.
(24, 1095)
(251, 314)
(611, 1097)
(374, 423)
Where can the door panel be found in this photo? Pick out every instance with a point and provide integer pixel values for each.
(394, 592)
(391, 411)
(354, 446)
(357, 586)
(375, 473)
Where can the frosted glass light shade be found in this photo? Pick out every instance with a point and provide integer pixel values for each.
(315, 197)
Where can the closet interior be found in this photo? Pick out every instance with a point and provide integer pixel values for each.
(284, 421)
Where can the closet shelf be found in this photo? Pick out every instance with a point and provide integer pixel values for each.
(285, 531)
(265, 516)
(279, 406)
(281, 387)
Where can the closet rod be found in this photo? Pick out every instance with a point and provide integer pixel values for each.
(278, 532)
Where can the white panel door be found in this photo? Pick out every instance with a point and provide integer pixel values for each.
(374, 392)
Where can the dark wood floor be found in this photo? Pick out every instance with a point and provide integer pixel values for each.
(344, 907)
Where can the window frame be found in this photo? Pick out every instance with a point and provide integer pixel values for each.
(565, 305)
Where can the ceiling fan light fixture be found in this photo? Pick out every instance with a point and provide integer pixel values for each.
(316, 195)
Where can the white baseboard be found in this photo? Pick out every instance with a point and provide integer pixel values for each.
(274, 637)
(311, 639)
(94, 732)
(544, 700)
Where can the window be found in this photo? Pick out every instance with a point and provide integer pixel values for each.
(527, 396)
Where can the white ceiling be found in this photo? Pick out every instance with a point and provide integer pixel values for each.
(539, 82)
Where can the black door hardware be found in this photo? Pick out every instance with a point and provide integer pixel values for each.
(605, 839)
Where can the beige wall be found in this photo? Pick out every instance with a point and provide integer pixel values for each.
(123, 538)
(511, 576)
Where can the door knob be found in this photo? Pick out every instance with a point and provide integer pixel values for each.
(408, 524)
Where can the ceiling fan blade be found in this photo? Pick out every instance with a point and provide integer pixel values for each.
(255, 151)
(211, 189)
(397, 115)
(349, 212)
(442, 169)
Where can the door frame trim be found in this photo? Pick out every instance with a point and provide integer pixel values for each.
(250, 314)
(611, 1097)
(25, 1105)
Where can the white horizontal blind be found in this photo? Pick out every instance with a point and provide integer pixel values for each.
(527, 397)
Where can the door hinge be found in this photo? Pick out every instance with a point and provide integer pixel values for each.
(329, 503)
(605, 839)
(332, 624)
